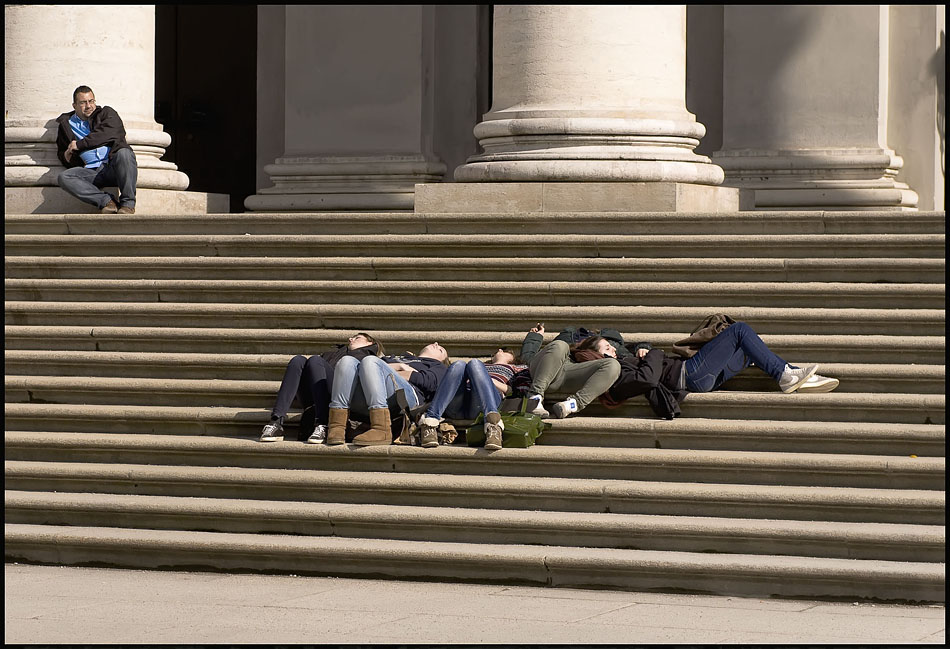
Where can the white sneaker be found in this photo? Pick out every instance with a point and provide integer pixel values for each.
(536, 406)
(319, 435)
(562, 409)
(792, 379)
(819, 383)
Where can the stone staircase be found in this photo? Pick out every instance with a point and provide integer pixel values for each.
(143, 354)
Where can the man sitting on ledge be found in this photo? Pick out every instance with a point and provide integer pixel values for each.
(91, 145)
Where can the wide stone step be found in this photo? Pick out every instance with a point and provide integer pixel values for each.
(478, 245)
(807, 436)
(879, 541)
(460, 343)
(612, 223)
(487, 268)
(765, 320)
(672, 465)
(735, 574)
(854, 377)
(487, 492)
(476, 293)
(861, 407)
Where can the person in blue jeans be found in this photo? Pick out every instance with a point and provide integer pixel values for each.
(91, 144)
(309, 380)
(468, 388)
(367, 385)
(666, 380)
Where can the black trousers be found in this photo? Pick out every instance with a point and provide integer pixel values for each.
(310, 380)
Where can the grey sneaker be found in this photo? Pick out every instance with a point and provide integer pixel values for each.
(493, 428)
(319, 435)
(536, 406)
(562, 409)
(272, 432)
(819, 383)
(428, 432)
(792, 379)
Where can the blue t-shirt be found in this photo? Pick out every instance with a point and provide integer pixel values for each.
(92, 158)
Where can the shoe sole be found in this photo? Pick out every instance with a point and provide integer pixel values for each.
(269, 439)
(373, 443)
(827, 387)
(805, 377)
(335, 443)
(316, 441)
(492, 447)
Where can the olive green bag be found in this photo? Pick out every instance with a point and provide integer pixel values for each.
(521, 428)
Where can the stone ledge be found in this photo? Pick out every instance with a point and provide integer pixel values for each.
(53, 200)
(545, 197)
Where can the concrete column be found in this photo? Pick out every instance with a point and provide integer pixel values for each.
(589, 93)
(50, 50)
(357, 109)
(805, 92)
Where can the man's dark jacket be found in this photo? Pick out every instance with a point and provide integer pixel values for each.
(105, 127)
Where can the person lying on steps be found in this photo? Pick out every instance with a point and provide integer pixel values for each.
(666, 380)
(367, 385)
(309, 379)
(584, 371)
(468, 388)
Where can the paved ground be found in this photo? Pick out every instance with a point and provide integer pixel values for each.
(59, 605)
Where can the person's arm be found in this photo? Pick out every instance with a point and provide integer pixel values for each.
(426, 376)
(64, 137)
(532, 342)
(403, 370)
(109, 127)
(501, 387)
(638, 376)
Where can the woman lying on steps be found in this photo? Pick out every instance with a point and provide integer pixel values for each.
(309, 379)
(366, 387)
(468, 388)
(584, 371)
(666, 380)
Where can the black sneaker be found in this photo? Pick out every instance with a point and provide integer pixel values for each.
(272, 432)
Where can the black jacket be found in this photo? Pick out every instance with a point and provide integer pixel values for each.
(333, 356)
(656, 376)
(105, 127)
(427, 375)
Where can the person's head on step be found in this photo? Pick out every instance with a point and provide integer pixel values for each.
(597, 344)
(503, 356)
(363, 339)
(436, 351)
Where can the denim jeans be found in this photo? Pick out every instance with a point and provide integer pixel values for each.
(464, 391)
(730, 352)
(368, 383)
(552, 369)
(86, 184)
(308, 379)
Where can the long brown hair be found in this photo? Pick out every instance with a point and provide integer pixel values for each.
(590, 343)
(380, 350)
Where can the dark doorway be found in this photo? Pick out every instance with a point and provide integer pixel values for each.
(206, 94)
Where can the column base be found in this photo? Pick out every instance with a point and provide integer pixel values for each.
(343, 183)
(819, 179)
(510, 198)
(53, 200)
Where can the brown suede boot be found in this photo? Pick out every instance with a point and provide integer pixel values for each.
(336, 430)
(381, 432)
